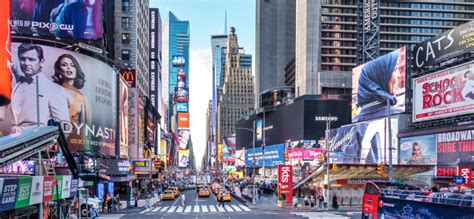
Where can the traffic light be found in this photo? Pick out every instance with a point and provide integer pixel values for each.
(334, 166)
(287, 158)
(380, 169)
(321, 157)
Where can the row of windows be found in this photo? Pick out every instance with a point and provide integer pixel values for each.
(420, 22)
(338, 35)
(335, 68)
(428, 5)
(426, 14)
(338, 43)
(338, 51)
(404, 37)
(433, 31)
(338, 60)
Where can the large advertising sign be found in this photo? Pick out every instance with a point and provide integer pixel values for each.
(24, 167)
(444, 94)
(24, 192)
(178, 61)
(447, 45)
(130, 75)
(419, 150)
(376, 81)
(142, 166)
(9, 191)
(455, 147)
(183, 136)
(141, 128)
(366, 140)
(154, 42)
(466, 172)
(150, 122)
(181, 95)
(309, 154)
(258, 133)
(48, 188)
(133, 97)
(183, 158)
(274, 156)
(75, 89)
(36, 196)
(55, 18)
(5, 76)
(182, 107)
(240, 158)
(285, 180)
(123, 117)
(183, 120)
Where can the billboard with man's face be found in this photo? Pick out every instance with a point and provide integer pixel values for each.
(377, 81)
(75, 89)
(57, 18)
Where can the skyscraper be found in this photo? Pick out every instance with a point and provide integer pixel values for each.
(238, 89)
(275, 42)
(131, 34)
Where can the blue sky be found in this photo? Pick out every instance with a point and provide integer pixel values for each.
(206, 18)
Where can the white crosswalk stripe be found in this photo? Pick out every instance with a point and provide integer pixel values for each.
(197, 208)
(156, 209)
(188, 209)
(146, 210)
(180, 209)
(228, 208)
(236, 208)
(164, 209)
(220, 209)
(212, 208)
(204, 208)
(172, 209)
(244, 207)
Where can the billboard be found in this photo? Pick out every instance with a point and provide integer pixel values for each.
(23, 167)
(274, 156)
(366, 140)
(240, 158)
(183, 120)
(154, 41)
(444, 94)
(182, 107)
(183, 158)
(141, 128)
(258, 133)
(455, 147)
(130, 75)
(309, 154)
(123, 117)
(181, 95)
(142, 166)
(133, 97)
(376, 81)
(75, 89)
(285, 181)
(183, 136)
(55, 18)
(5, 76)
(447, 45)
(418, 150)
(150, 123)
(178, 61)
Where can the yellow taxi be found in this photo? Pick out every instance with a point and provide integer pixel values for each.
(216, 189)
(226, 195)
(204, 192)
(175, 190)
(167, 195)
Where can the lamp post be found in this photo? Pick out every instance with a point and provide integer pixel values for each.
(253, 159)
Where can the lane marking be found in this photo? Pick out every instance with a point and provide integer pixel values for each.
(164, 209)
(229, 209)
(204, 208)
(212, 208)
(235, 207)
(156, 209)
(220, 209)
(197, 208)
(172, 209)
(146, 210)
(180, 209)
(188, 209)
(244, 207)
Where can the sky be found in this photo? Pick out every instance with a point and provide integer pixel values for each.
(206, 18)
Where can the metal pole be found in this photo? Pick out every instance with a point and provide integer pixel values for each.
(390, 166)
(253, 162)
(328, 128)
(263, 148)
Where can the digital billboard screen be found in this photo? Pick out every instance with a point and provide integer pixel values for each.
(178, 61)
(57, 18)
(123, 117)
(183, 135)
(182, 107)
(376, 81)
(5, 76)
(183, 158)
(183, 120)
(76, 89)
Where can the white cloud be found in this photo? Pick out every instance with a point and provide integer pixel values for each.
(200, 92)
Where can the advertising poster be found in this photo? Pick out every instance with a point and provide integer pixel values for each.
(110, 188)
(220, 152)
(66, 188)
(74, 186)
(5, 76)
(24, 192)
(285, 181)
(447, 45)
(419, 150)
(183, 158)
(9, 190)
(367, 140)
(150, 122)
(183, 136)
(466, 172)
(58, 188)
(55, 18)
(48, 188)
(183, 120)
(24, 167)
(133, 122)
(229, 143)
(240, 158)
(182, 107)
(142, 166)
(181, 95)
(123, 117)
(36, 190)
(455, 147)
(100, 190)
(75, 89)
(178, 61)
(258, 133)
(444, 94)
(274, 156)
(308, 154)
(141, 128)
(376, 81)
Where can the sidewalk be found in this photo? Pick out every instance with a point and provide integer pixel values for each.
(269, 203)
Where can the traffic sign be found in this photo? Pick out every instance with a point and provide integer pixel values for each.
(459, 180)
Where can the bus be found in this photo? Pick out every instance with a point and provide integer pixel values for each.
(385, 200)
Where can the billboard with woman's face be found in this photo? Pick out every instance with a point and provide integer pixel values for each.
(377, 81)
(75, 89)
(418, 150)
(57, 18)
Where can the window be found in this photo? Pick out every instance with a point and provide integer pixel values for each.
(126, 5)
(125, 55)
(125, 22)
(125, 38)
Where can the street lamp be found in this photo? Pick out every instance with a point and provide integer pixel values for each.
(253, 159)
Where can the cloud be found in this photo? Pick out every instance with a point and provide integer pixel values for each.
(200, 92)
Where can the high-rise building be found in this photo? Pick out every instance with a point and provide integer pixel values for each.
(156, 36)
(238, 89)
(326, 39)
(176, 39)
(275, 42)
(131, 34)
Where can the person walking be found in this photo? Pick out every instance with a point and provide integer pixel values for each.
(335, 205)
(312, 201)
(321, 201)
(183, 199)
(306, 201)
(221, 199)
(147, 200)
(104, 202)
(109, 203)
(94, 213)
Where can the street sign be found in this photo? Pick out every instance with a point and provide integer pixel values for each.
(459, 180)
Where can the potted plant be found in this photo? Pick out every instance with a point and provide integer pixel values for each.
(281, 200)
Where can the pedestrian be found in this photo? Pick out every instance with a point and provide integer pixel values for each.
(321, 201)
(295, 201)
(335, 205)
(221, 199)
(147, 200)
(94, 213)
(312, 201)
(183, 199)
(109, 203)
(104, 202)
(117, 202)
(306, 201)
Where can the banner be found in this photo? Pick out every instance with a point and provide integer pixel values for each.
(367, 140)
(309, 154)
(24, 192)
(220, 152)
(285, 181)
(48, 188)
(183, 120)
(78, 90)
(37, 188)
(57, 188)
(133, 97)
(418, 150)
(54, 18)
(274, 156)
(444, 94)
(9, 191)
(123, 117)
(183, 135)
(258, 133)
(466, 172)
(447, 45)
(66, 188)
(141, 128)
(455, 147)
(183, 158)
(376, 81)
(5, 76)
(236, 174)
(240, 158)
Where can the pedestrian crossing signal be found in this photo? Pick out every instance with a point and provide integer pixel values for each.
(380, 169)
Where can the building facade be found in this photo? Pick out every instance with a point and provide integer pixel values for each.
(238, 89)
(275, 42)
(131, 34)
(156, 36)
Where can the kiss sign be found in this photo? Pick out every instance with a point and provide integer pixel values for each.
(466, 172)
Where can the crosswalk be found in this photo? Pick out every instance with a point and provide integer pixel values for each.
(196, 209)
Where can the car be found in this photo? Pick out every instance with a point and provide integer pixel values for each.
(191, 186)
(175, 190)
(204, 192)
(168, 195)
(226, 194)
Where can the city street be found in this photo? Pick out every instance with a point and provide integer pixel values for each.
(208, 208)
